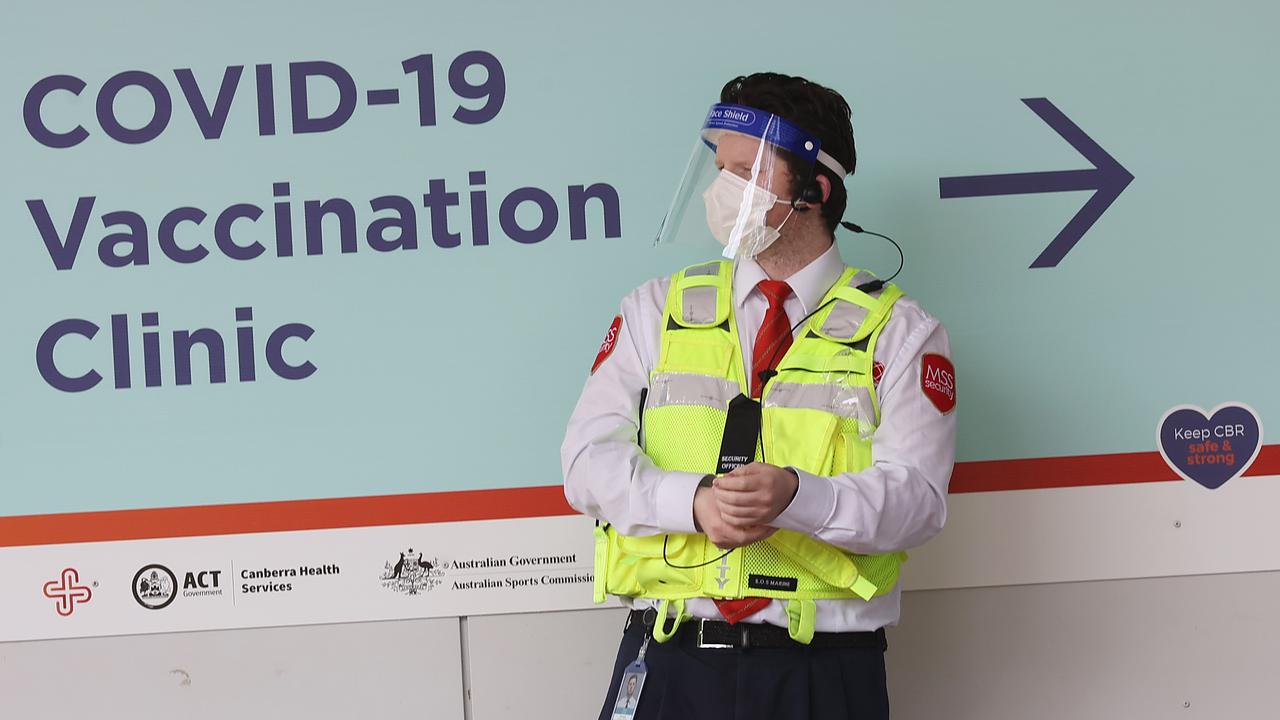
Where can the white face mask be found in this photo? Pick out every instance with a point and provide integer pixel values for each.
(736, 212)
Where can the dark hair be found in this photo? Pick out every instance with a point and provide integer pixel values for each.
(818, 110)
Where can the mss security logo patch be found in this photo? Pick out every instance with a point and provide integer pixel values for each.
(938, 381)
(610, 342)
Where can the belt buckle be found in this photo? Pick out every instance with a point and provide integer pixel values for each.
(704, 645)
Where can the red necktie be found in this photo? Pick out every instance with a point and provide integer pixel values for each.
(772, 341)
(774, 336)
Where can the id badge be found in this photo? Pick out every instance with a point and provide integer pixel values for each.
(624, 707)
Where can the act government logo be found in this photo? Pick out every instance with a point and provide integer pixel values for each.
(411, 573)
(155, 586)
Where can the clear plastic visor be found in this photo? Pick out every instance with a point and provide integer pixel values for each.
(736, 190)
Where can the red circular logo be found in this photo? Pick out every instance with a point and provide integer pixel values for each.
(610, 342)
(938, 381)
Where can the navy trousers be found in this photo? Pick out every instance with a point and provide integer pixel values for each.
(791, 683)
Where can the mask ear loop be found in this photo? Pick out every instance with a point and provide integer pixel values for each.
(799, 203)
(790, 212)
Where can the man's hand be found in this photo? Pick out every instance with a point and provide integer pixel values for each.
(726, 536)
(755, 494)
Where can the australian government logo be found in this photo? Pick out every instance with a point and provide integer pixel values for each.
(412, 573)
(519, 571)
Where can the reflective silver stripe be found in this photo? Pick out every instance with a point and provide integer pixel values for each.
(861, 277)
(843, 400)
(699, 305)
(711, 268)
(690, 389)
(844, 320)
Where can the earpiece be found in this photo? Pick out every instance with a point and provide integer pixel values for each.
(812, 193)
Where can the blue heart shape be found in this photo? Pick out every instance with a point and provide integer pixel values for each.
(1210, 450)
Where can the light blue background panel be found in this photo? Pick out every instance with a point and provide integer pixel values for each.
(456, 368)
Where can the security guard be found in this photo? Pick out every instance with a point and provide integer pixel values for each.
(762, 437)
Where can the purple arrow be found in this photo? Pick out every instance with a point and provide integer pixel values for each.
(1107, 177)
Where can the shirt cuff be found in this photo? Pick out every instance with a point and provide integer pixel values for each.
(809, 509)
(674, 500)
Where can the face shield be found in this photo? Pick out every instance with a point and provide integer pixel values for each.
(744, 167)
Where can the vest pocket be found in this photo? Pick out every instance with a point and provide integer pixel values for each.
(801, 437)
(640, 566)
(852, 451)
(650, 546)
(702, 355)
(684, 437)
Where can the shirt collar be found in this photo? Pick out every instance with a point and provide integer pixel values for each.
(809, 284)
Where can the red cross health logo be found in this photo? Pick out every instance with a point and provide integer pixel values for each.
(66, 591)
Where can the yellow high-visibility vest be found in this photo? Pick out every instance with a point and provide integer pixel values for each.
(818, 415)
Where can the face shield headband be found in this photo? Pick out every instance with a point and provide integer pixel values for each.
(774, 130)
(738, 197)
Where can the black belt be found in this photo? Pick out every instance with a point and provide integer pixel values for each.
(717, 634)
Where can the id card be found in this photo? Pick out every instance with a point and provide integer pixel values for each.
(629, 691)
(624, 707)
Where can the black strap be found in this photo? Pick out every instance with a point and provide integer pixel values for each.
(758, 635)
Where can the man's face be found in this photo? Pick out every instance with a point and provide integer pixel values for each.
(631, 685)
(737, 154)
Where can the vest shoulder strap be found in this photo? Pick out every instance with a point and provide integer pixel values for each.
(841, 338)
(853, 315)
(698, 332)
(700, 295)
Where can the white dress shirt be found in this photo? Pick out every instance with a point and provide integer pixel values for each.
(897, 503)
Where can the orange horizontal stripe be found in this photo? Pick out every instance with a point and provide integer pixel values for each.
(283, 516)
(1082, 471)
(499, 504)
